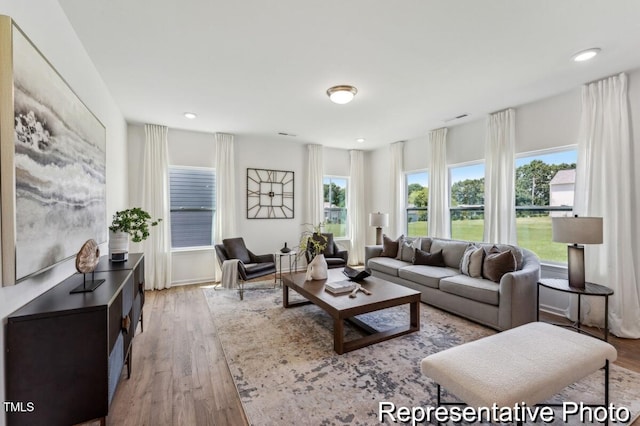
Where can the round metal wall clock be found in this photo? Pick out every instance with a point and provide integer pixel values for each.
(269, 194)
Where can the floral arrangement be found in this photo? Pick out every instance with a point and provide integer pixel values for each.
(312, 237)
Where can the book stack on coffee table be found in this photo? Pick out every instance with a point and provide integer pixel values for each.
(340, 287)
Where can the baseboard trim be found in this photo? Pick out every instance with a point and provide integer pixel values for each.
(553, 310)
(193, 281)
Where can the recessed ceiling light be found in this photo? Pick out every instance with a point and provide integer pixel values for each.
(360, 140)
(190, 115)
(341, 94)
(585, 55)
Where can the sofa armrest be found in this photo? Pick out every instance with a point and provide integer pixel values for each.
(370, 252)
(518, 293)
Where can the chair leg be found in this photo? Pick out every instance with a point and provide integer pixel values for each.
(241, 289)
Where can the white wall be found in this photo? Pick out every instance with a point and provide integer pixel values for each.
(261, 235)
(48, 28)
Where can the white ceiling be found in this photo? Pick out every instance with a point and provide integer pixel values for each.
(256, 67)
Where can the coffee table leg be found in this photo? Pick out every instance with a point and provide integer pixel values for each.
(285, 296)
(414, 315)
(338, 335)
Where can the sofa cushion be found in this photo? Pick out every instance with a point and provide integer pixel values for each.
(472, 288)
(429, 259)
(426, 275)
(497, 263)
(517, 251)
(452, 250)
(425, 244)
(472, 260)
(387, 265)
(390, 247)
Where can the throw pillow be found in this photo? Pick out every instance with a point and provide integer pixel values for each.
(389, 246)
(472, 261)
(401, 241)
(497, 263)
(430, 259)
(406, 251)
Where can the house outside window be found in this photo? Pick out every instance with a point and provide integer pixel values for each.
(417, 191)
(335, 206)
(466, 195)
(192, 196)
(545, 184)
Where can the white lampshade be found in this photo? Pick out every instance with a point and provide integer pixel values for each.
(379, 220)
(577, 230)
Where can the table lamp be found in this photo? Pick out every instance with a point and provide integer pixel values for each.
(379, 220)
(576, 230)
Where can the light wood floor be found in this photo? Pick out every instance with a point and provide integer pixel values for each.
(180, 375)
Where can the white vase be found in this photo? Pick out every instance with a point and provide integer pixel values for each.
(118, 246)
(317, 269)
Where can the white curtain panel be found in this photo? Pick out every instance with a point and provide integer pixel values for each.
(499, 179)
(439, 220)
(315, 190)
(605, 187)
(356, 211)
(397, 190)
(225, 217)
(155, 200)
(225, 221)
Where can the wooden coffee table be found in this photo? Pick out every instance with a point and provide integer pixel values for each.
(384, 294)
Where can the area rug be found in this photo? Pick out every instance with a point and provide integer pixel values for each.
(286, 372)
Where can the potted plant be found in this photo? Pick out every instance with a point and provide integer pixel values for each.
(133, 223)
(311, 239)
(307, 240)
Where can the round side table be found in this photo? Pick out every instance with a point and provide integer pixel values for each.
(293, 260)
(590, 289)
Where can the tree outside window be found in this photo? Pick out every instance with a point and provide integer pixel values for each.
(335, 205)
(467, 202)
(417, 203)
(544, 189)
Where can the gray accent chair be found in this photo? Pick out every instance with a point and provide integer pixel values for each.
(250, 266)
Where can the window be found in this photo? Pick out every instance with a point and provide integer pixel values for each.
(544, 188)
(417, 184)
(335, 205)
(467, 202)
(192, 194)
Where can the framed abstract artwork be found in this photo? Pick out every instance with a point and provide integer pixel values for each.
(270, 194)
(52, 162)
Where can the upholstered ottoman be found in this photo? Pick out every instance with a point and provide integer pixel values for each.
(526, 364)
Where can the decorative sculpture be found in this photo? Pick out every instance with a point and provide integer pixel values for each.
(86, 262)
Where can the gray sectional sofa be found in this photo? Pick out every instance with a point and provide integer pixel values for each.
(503, 305)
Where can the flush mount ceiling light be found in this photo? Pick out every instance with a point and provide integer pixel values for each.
(341, 94)
(360, 140)
(190, 115)
(585, 55)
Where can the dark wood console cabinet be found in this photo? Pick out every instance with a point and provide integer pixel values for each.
(65, 352)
